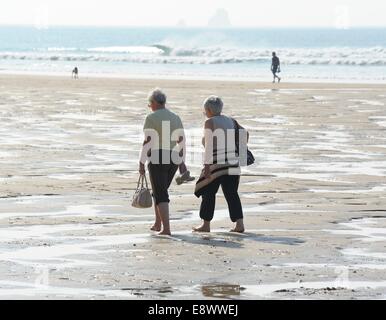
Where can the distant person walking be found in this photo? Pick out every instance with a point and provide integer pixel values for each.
(275, 67)
(75, 73)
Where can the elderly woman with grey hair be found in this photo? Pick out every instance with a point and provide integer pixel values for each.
(221, 166)
(164, 133)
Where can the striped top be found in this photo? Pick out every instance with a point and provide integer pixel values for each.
(219, 140)
(220, 151)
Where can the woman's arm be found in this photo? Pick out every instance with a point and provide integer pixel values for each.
(148, 134)
(143, 157)
(208, 125)
(208, 144)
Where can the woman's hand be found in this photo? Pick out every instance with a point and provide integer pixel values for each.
(141, 169)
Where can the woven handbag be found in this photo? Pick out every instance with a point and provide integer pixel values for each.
(142, 197)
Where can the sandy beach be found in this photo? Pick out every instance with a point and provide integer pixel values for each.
(314, 202)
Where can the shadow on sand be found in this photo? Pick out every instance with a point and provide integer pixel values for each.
(233, 240)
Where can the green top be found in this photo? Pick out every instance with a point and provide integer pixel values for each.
(165, 125)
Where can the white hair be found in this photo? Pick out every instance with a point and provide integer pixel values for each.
(158, 96)
(214, 104)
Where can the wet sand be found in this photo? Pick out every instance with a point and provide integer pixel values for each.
(315, 205)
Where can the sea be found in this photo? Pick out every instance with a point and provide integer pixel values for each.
(322, 55)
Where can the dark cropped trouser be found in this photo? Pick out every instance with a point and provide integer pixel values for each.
(229, 185)
(161, 176)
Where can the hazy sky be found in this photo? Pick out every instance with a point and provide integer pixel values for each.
(248, 13)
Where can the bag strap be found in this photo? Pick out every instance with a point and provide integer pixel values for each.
(237, 132)
(142, 180)
(139, 181)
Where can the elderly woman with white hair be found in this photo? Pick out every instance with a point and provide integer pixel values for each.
(221, 166)
(164, 133)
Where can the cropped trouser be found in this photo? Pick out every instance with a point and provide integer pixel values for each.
(229, 185)
(161, 176)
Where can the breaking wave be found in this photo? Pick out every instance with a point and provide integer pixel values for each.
(161, 54)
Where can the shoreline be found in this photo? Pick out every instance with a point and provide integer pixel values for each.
(260, 82)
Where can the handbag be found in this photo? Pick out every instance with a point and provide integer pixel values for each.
(142, 197)
(250, 158)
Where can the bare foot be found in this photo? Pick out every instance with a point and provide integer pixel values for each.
(239, 227)
(237, 230)
(155, 228)
(164, 233)
(201, 229)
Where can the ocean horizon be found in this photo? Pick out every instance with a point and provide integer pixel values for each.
(317, 54)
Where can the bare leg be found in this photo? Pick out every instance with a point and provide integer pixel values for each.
(157, 223)
(239, 228)
(205, 227)
(163, 209)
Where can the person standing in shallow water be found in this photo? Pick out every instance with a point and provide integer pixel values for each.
(275, 67)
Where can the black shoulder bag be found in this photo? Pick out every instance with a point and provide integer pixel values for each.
(250, 157)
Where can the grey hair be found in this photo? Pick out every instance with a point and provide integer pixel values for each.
(158, 96)
(214, 104)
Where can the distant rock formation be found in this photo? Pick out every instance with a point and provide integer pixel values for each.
(220, 19)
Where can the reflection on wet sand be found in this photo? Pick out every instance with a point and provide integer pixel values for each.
(68, 168)
(220, 290)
